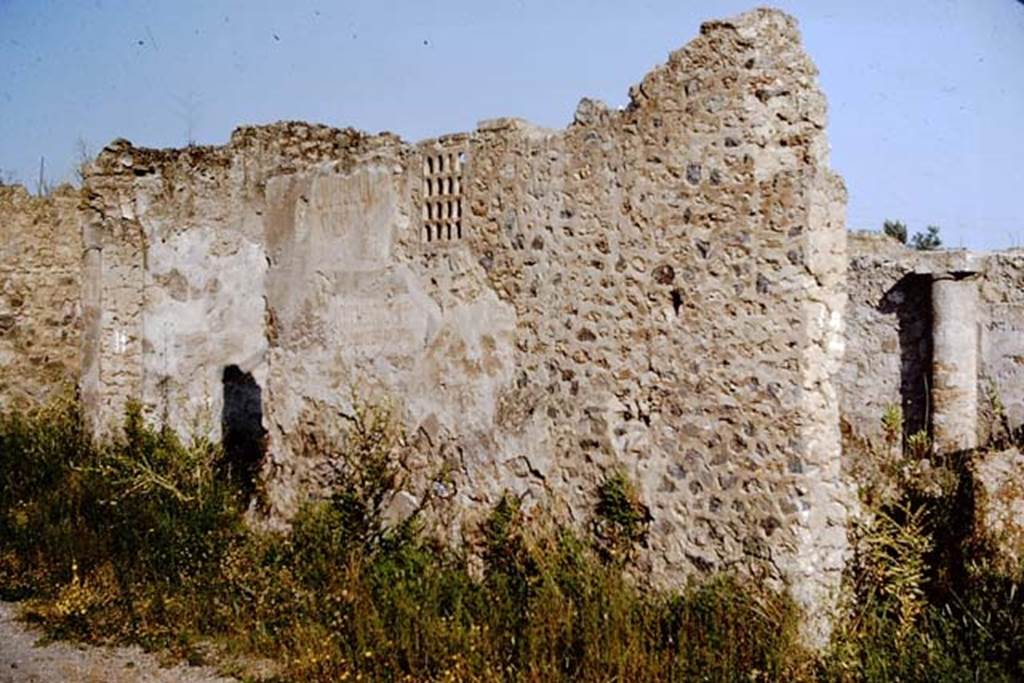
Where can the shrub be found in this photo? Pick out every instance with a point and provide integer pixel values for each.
(621, 519)
(928, 240)
(896, 230)
(923, 599)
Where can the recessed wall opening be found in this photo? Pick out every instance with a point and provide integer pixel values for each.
(910, 300)
(442, 195)
(243, 435)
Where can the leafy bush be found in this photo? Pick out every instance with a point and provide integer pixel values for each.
(924, 600)
(896, 230)
(922, 241)
(621, 520)
(928, 240)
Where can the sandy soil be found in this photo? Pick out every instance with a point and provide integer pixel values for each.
(22, 661)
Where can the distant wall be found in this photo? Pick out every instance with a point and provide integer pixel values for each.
(890, 338)
(40, 280)
(1002, 339)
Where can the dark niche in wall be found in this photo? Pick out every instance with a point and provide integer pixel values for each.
(910, 301)
(244, 438)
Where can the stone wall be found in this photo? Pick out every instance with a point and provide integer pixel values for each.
(1001, 371)
(176, 267)
(892, 336)
(676, 272)
(664, 290)
(40, 276)
(657, 290)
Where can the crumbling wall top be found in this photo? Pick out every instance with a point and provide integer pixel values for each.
(285, 145)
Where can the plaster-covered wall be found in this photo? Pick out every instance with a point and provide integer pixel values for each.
(1001, 297)
(176, 269)
(658, 289)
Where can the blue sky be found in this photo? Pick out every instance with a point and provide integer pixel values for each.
(926, 97)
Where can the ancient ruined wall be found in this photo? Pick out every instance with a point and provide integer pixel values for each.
(662, 290)
(1001, 385)
(40, 266)
(175, 271)
(362, 308)
(364, 305)
(657, 290)
(663, 262)
(891, 332)
(888, 337)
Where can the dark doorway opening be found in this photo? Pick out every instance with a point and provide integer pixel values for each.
(910, 300)
(244, 439)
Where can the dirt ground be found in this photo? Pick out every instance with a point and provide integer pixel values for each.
(23, 661)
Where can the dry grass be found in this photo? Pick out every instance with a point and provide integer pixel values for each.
(141, 540)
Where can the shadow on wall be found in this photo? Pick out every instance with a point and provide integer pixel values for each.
(241, 422)
(910, 301)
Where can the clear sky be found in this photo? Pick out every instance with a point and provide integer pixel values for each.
(926, 96)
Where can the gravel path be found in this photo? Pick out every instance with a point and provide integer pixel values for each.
(21, 661)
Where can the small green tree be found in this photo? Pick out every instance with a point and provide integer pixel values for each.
(927, 241)
(895, 229)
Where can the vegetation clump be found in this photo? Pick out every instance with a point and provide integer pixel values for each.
(929, 240)
(925, 598)
(621, 521)
(140, 538)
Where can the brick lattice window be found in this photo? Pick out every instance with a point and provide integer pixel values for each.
(442, 196)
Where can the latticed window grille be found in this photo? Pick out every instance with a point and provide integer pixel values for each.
(442, 195)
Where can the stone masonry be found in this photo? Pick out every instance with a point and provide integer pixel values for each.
(40, 289)
(940, 335)
(658, 290)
